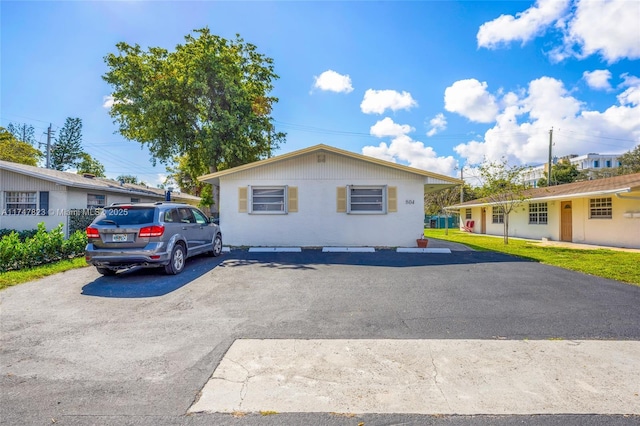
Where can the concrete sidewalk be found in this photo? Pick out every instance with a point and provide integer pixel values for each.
(465, 377)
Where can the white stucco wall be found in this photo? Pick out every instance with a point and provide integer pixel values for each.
(317, 223)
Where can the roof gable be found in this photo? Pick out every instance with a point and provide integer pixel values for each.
(213, 177)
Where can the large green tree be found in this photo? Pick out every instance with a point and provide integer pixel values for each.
(630, 161)
(67, 150)
(16, 151)
(503, 188)
(209, 99)
(88, 164)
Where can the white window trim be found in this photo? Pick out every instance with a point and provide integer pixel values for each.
(10, 211)
(539, 213)
(384, 199)
(285, 199)
(599, 207)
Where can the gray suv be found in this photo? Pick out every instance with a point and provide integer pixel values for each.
(150, 235)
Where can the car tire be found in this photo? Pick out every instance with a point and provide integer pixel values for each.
(106, 271)
(216, 249)
(177, 261)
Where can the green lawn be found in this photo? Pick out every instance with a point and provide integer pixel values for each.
(615, 265)
(7, 279)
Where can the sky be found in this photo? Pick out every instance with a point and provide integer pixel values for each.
(436, 85)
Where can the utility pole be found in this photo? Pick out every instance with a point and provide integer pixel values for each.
(462, 187)
(49, 146)
(550, 160)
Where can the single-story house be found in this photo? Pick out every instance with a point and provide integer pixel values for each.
(601, 212)
(29, 195)
(324, 196)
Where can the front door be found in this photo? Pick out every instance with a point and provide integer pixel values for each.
(483, 221)
(566, 227)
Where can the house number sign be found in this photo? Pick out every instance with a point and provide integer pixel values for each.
(408, 201)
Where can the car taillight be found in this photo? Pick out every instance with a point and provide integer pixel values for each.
(151, 231)
(92, 232)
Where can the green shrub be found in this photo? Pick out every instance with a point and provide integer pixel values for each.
(43, 247)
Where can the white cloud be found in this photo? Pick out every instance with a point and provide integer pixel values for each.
(438, 124)
(470, 99)
(107, 101)
(522, 27)
(608, 28)
(415, 153)
(598, 79)
(333, 82)
(586, 27)
(521, 132)
(378, 101)
(387, 127)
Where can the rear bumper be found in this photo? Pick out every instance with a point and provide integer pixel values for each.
(151, 256)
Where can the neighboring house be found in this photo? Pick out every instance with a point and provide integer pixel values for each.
(29, 195)
(602, 212)
(324, 196)
(593, 164)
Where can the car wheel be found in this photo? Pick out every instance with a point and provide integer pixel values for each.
(178, 258)
(106, 271)
(217, 246)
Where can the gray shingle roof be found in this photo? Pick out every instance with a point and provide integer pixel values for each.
(94, 183)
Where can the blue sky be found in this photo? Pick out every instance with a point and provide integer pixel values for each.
(436, 85)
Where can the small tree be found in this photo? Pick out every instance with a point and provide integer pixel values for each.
(563, 172)
(88, 164)
(503, 188)
(67, 151)
(16, 151)
(630, 161)
(128, 179)
(23, 132)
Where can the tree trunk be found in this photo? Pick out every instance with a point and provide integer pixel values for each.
(506, 228)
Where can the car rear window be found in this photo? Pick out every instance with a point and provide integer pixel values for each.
(127, 215)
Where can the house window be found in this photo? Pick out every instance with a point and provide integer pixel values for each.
(95, 201)
(608, 163)
(467, 214)
(135, 200)
(20, 202)
(600, 208)
(538, 213)
(596, 163)
(497, 214)
(268, 199)
(366, 199)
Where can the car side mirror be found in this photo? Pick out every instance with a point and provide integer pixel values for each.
(215, 220)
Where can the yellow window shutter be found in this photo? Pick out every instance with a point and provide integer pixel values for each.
(292, 192)
(341, 199)
(242, 199)
(392, 199)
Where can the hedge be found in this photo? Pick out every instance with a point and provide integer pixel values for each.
(43, 247)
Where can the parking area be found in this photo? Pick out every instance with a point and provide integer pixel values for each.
(77, 347)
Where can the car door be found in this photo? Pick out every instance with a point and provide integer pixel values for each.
(189, 229)
(204, 238)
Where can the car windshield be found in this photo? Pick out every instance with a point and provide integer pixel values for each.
(127, 215)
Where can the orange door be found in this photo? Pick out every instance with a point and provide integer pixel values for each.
(566, 227)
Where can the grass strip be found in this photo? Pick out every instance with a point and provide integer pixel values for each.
(8, 279)
(612, 264)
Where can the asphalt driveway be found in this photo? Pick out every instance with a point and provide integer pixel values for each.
(79, 348)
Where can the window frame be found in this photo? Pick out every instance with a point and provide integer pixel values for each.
(497, 214)
(284, 204)
(20, 206)
(383, 199)
(97, 197)
(539, 213)
(601, 208)
(467, 214)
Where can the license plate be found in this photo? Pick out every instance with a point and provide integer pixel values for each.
(118, 238)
